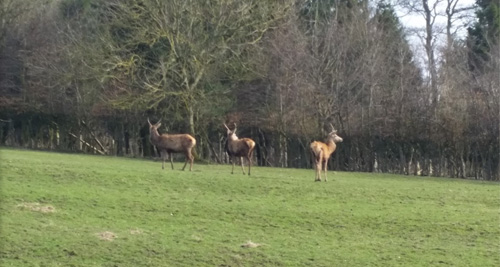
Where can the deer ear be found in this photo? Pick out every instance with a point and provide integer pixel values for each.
(158, 125)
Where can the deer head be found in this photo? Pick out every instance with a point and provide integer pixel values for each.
(333, 135)
(231, 133)
(154, 127)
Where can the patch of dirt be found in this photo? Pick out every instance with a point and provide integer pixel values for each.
(250, 244)
(106, 236)
(136, 231)
(37, 207)
(196, 238)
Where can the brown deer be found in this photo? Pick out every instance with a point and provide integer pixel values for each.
(239, 148)
(321, 152)
(172, 143)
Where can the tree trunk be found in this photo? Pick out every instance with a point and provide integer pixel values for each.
(191, 128)
(191, 120)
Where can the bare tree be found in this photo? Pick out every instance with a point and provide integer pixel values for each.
(456, 13)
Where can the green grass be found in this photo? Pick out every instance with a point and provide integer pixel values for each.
(201, 218)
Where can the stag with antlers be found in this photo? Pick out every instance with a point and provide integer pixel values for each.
(321, 152)
(239, 148)
(172, 143)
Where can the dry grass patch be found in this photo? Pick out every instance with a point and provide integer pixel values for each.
(196, 238)
(35, 206)
(106, 236)
(136, 231)
(250, 244)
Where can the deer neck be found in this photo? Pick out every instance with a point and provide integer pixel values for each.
(233, 137)
(331, 145)
(154, 135)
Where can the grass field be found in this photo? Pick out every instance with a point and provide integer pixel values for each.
(80, 210)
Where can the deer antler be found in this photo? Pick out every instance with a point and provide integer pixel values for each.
(226, 126)
(333, 129)
(234, 126)
(149, 123)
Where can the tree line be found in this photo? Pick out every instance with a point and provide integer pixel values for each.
(86, 75)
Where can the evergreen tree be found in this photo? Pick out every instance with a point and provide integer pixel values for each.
(483, 35)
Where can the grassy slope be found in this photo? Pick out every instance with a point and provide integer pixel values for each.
(176, 218)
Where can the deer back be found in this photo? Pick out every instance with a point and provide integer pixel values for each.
(327, 149)
(176, 142)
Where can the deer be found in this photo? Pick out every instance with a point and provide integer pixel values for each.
(321, 152)
(239, 148)
(172, 143)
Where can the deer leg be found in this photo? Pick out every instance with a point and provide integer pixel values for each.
(233, 159)
(316, 166)
(249, 164)
(191, 159)
(325, 166)
(185, 163)
(241, 161)
(162, 156)
(318, 171)
(319, 160)
(188, 158)
(171, 160)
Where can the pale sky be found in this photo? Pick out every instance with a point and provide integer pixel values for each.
(418, 21)
(415, 25)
